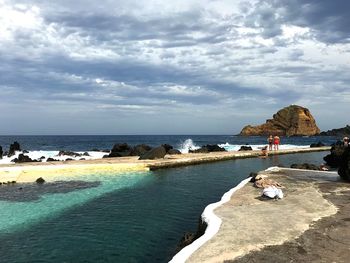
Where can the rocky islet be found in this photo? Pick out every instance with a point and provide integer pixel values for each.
(293, 120)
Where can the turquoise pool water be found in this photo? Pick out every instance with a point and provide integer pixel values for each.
(134, 217)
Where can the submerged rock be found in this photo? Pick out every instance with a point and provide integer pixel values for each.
(29, 192)
(14, 147)
(40, 180)
(1, 152)
(155, 153)
(290, 121)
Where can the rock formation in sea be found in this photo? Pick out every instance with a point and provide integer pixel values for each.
(1, 152)
(13, 148)
(24, 159)
(208, 148)
(68, 153)
(341, 132)
(245, 148)
(140, 149)
(293, 120)
(155, 153)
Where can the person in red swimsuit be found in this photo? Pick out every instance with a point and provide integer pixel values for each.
(276, 142)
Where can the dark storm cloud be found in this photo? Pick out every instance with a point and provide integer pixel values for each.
(328, 18)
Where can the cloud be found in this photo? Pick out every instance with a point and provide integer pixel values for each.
(196, 62)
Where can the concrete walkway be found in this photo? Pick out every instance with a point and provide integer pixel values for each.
(251, 223)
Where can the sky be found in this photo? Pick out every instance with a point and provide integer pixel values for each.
(170, 67)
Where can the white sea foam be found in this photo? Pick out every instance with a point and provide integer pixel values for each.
(36, 155)
(188, 145)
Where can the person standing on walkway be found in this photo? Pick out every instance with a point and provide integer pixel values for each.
(276, 142)
(270, 142)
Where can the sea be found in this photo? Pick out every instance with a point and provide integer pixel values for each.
(49, 146)
(128, 217)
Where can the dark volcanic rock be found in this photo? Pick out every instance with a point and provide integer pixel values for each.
(40, 180)
(314, 145)
(167, 147)
(344, 167)
(341, 132)
(113, 154)
(121, 147)
(245, 148)
(208, 148)
(173, 151)
(200, 150)
(188, 237)
(335, 157)
(23, 159)
(155, 153)
(140, 149)
(52, 160)
(86, 154)
(1, 152)
(215, 148)
(25, 151)
(305, 166)
(13, 148)
(120, 150)
(69, 153)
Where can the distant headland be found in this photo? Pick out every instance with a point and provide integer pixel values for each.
(293, 120)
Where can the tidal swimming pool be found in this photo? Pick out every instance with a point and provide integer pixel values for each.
(131, 217)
